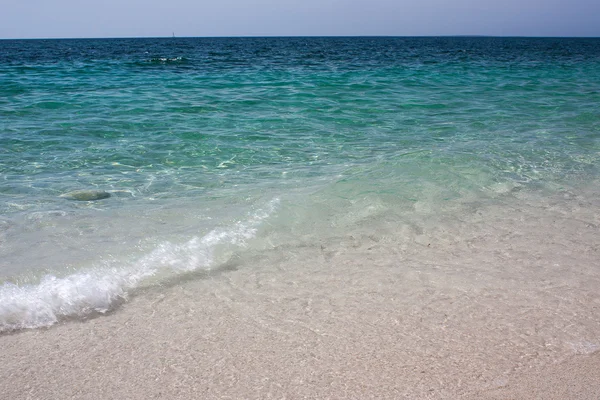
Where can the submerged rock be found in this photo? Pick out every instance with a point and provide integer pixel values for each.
(86, 195)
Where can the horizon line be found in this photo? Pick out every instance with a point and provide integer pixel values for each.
(305, 36)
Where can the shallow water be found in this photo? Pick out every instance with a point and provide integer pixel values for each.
(232, 151)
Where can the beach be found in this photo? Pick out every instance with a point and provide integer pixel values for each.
(391, 218)
(496, 312)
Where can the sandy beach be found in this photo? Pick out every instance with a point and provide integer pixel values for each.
(491, 306)
(223, 345)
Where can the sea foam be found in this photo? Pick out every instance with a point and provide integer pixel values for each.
(100, 289)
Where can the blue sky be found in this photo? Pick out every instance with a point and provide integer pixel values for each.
(125, 18)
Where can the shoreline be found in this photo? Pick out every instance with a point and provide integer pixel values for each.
(363, 319)
(161, 345)
(499, 303)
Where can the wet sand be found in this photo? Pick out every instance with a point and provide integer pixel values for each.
(575, 378)
(220, 346)
(494, 305)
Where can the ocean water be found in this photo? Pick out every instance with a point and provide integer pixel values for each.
(227, 153)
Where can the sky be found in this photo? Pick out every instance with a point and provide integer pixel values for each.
(141, 18)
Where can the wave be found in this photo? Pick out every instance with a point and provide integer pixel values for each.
(167, 60)
(100, 289)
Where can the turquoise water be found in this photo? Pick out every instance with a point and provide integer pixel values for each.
(211, 147)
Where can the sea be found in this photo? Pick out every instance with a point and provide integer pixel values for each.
(213, 155)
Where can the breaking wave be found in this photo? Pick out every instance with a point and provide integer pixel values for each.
(99, 289)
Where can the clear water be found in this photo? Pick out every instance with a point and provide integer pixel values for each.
(213, 148)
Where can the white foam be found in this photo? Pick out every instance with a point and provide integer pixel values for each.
(100, 288)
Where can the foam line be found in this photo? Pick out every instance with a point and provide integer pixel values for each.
(99, 289)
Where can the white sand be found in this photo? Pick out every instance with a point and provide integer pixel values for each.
(495, 305)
